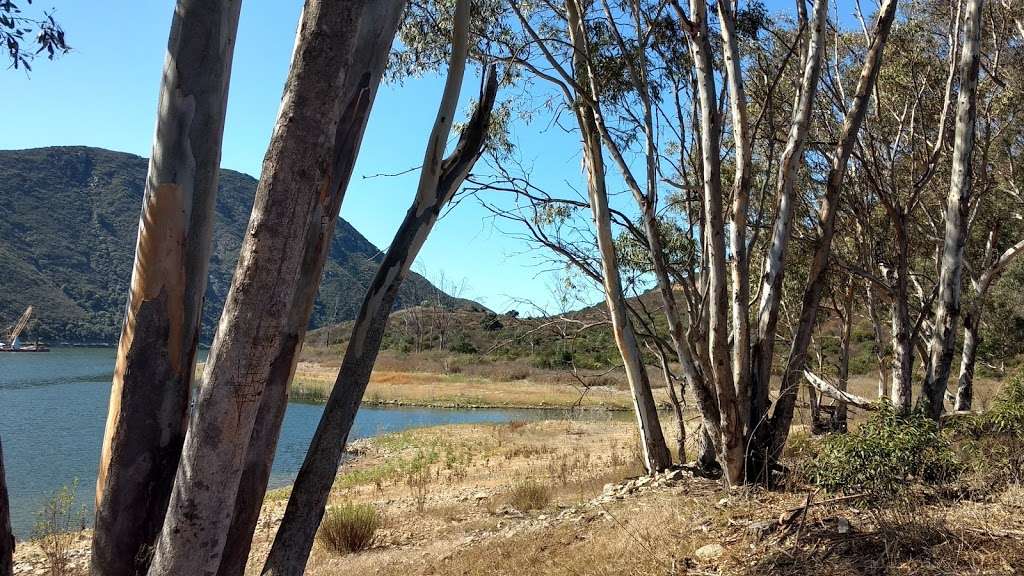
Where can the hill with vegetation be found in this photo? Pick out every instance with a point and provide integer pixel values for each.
(68, 223)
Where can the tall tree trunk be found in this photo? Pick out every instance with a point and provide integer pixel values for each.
(303, 180)
(901, 331)
(156, 353)
(957, 208)
(732, 445)
(439, 181)
(6, 535)
(740, 202)
(373, 46)
(763, 345)
(817, 275)
(652, 441)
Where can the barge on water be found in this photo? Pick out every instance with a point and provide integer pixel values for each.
(13, 345)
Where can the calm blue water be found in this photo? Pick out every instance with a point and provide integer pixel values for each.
(53, 408)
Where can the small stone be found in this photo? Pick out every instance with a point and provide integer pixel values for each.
(843, 526)
(481, 496)
(723, 502)
(709, 551)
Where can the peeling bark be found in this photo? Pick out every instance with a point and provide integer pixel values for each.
(957, 217)
(6, 535)
(294, 538)
(156, 353)
(303, 180)
(372, 47)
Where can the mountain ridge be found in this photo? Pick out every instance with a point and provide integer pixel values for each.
(68, 225)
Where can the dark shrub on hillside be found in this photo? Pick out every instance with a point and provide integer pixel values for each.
(886, 455)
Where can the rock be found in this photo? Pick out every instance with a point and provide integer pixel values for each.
(723, 502)
(481, 496)
(709, 551)
(843, 526)
(674, 475)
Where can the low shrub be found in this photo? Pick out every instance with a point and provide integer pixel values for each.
(56, 528)
(886, 455)
(349, 528)
(529, 495)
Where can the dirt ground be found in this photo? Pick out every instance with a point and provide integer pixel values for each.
(450, 501)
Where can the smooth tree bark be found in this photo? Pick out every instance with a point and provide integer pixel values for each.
(303, 178)
(817, 274)
(6, 535)
(149, 398)
(440, 179)
(656, 455)
(947, 314)
(740, 203)
(376, 34)
(774, 269)
(731, 429)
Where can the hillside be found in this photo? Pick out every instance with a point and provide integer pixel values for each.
(68, 222)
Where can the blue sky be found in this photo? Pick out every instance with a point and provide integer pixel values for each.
(104, 94)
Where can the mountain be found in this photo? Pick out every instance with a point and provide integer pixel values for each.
(68, 223)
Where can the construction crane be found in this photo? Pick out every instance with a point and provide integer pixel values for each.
(19, 327)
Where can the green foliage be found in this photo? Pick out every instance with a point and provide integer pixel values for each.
(1007, 413)
(349, 528)
(886, 455)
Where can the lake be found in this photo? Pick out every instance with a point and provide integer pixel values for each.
(53, 408)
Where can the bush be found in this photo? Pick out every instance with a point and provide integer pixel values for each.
(57, 525)
(886, 455)
(1007, 413)
(529, 495)
(348, 528)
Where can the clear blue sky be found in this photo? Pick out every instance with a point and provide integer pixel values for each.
(104, 94)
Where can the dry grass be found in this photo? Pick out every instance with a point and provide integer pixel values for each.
(348, 528)
(313, 382)
(529, 495)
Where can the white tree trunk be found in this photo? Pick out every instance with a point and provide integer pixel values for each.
(298, 194)
(763, 345)
(732, 441)
(156, 353)
(957, 208)
(817, 275)
(652, 441)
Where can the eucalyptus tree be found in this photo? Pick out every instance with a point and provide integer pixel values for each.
(440, 179)
(958, 204)
(305, 174)
(149, 399)
(898, 158)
